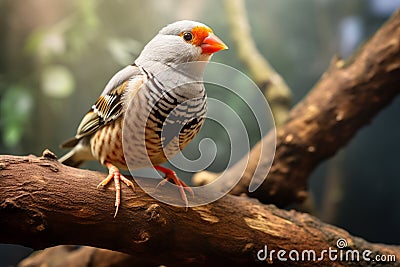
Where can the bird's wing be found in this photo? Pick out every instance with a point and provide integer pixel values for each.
(108, 107)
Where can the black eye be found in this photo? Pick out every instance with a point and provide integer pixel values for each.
(188, 36)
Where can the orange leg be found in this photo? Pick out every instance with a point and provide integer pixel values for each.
(113, 172)
(170, 175)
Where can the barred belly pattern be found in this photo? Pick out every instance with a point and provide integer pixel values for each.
(106, 144)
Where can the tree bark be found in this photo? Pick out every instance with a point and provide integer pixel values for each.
(44, 203)
(346, 98)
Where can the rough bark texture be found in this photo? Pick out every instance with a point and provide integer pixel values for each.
(44, 203)
(346, 98)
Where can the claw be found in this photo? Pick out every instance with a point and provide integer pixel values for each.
(113, 172)
(170, 175)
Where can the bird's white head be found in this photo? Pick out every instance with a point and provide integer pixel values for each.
(181, 42)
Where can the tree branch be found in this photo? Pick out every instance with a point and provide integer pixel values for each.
(44, 203)
(346, 98)
(267, 79)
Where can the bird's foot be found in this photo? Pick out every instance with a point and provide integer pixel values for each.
(170, 176)
(114, 173)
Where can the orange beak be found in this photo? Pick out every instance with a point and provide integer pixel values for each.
(212, 44)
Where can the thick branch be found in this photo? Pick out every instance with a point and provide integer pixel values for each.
(44, 203)
(346, 98)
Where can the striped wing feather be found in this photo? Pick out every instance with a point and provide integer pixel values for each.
(108, 107)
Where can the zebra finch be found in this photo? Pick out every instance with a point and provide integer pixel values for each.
(143, 98)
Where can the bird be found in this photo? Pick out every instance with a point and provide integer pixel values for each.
(145, 98)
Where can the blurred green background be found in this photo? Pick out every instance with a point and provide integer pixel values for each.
(56, 57)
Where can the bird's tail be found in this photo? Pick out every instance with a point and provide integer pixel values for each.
(71, 159)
